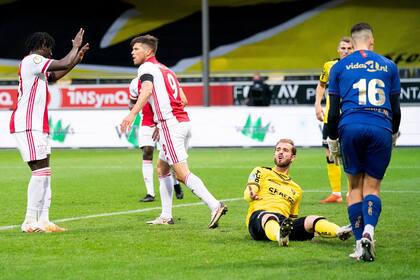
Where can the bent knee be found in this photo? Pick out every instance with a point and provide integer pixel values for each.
(268, 217)
(310, 222)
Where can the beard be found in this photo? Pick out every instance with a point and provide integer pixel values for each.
(284, 164)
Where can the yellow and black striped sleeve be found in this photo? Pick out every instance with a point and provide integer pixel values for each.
(253, 183)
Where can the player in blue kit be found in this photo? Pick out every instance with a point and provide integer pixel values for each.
(365, 86)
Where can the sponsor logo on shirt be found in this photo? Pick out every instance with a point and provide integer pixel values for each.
(370, 66)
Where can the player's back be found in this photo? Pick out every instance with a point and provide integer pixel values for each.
(365, 80)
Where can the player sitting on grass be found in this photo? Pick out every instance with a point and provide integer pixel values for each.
(274, 201)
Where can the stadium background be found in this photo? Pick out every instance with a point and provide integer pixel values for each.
(287, 41)
(96, 191)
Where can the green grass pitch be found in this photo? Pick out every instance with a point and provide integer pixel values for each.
(121, 246)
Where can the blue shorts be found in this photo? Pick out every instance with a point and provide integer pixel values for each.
(365, 149)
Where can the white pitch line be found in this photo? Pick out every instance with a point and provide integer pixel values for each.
(2, 228)
(120, 213)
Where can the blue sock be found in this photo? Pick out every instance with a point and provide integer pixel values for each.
(356, 219)
(371, 209)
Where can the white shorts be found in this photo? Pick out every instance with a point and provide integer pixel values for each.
(174, 141)
(145, 136)
(33, 145)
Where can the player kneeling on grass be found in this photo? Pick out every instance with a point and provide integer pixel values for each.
(274, 204)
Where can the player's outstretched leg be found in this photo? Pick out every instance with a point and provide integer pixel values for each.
(345, 232)
(217, 214)
(218, 209)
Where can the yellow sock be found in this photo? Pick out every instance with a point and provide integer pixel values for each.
(326, 229)
(334, 176)
(271, 229)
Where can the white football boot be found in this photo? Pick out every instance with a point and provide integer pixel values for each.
(216, 214)
(358, 251)
(49, 227)
(30, 227)
(161, 221)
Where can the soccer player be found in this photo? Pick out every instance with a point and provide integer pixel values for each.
(366, 87)
(345, 47)
(160, 88)
(274, 201)
(29, 121)
(147, 143)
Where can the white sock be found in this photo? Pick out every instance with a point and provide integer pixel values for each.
(147, 169)
(46, 202)
(337, 193)
(166, 189)
(36, 191)
(369, 229)
(199, 189)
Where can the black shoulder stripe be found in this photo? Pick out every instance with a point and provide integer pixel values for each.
(269, 168)
(146, 77)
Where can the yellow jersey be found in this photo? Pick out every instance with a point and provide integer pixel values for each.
(324, 79)
(276, 191)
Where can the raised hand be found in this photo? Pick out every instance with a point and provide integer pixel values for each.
(78, 39)
(81, 53)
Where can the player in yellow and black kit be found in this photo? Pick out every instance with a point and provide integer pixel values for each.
(345, 47)
(274, 201)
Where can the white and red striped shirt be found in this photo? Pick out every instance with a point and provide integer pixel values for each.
(31, 111)
(165, 100)
(147, 113)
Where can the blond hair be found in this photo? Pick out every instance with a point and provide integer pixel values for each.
(288, 141)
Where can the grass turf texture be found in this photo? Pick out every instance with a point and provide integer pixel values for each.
(89, 182)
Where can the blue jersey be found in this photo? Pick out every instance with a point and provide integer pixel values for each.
(364, 80)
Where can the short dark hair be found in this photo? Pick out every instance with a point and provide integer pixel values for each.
(360, 27)
(148, 40)
(288, 141)
(346, 39)
(39, 40)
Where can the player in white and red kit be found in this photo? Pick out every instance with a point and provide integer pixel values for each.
(160, 88)
(147, 144)
(29, 121)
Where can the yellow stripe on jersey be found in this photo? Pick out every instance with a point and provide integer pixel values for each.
(276, 191)
(324, 79)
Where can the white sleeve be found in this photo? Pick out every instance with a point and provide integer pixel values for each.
(37, 64)
(134, 88)
(145, 68)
